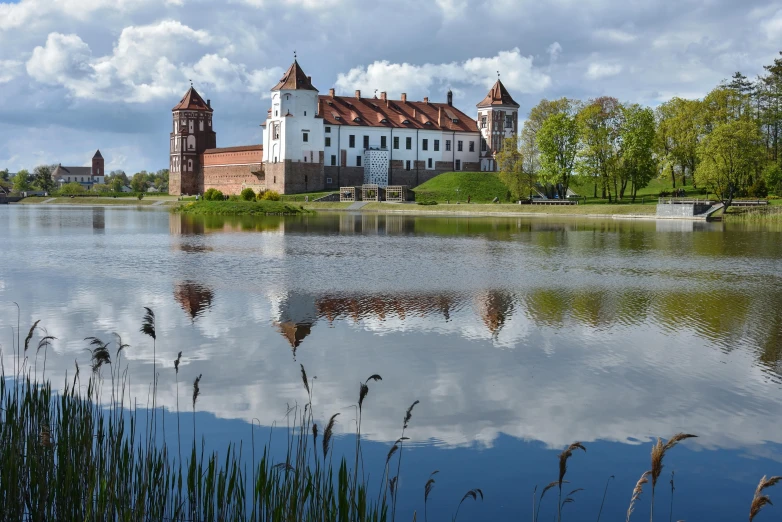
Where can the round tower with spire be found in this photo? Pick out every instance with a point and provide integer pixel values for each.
(498, 119)
(191, 135)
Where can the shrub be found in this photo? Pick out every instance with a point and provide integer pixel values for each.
(72, 189)
(247, 194)
(140, 196)
(271, 195)
(772, 174)
(213, 195)
(759, 189)
(426, 203)
(664, 194)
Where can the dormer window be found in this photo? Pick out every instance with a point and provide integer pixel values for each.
(428, 123)
(406, 122)
(357, 120)
(455, 120)
(384, 120)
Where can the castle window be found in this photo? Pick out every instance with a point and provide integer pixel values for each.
(275, 113)
(305, 159)
(436, 145)
(333, 159)
(425, 145)
(408, 143)
(508, 122)
(472, 146)
(305, 113)
(305, 137)
(382, 142)
(460, 145)
(201, 125)
(328, 130)
(305, 179)
(275, 179)
(328, 141)
(352, 141)
(483, 122)
(458, 164)
(366, 142)
(483, 146)
(447, 145)
(407, 165)
(190, 126)
(396, 142)
(430, 163)
(358, 161)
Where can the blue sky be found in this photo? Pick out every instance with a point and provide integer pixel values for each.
(77, 75)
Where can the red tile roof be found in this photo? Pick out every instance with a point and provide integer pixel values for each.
(294, 78)
(192, 101)
(498, 95)
(374, 112)
(241, 148)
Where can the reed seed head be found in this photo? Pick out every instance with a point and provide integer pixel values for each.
(409, 414)
(196, 389)
(374, 377)
(658, 453)
(304, 379)
(637, 490)
(760, 500)
(148, 323)
(327, 434)
(362, 394)
(30, 334)
(391, 452)
(563, 458)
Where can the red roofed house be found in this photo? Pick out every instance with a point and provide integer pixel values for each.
(315, 142)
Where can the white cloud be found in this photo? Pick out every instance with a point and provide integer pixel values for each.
(554, 50)
(9, 69)
(596, 70)
(147, 62)
(615, 35)
(518, 74)
(773, 26)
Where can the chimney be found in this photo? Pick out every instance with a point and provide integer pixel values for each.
(404, 97)
(440, 116)
(358, 94)
(209, 103)
(450, 98)
(383, 95)
(331, 92)
(309, 80)
(426, 99)
(415, 113)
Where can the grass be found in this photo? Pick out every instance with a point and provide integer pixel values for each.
(310, 195)
(770, 214)
(64, 200)
(511, 209)
(457, 186)
(240, 208)
(76, 455)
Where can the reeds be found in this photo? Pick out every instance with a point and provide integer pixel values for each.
(658, 454)
(760, 500)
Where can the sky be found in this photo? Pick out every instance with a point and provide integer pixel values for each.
(81, 75)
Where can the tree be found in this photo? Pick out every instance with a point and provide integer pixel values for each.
(116, 184)
(139, 181)
(43, 178)
(637, 163)
(22, 181)
(728, 158)
(598, 126)
(557, 141)
(679, 129)
(4, 175)
(515, 172)
(529, 133)
(72, 189)
(119, 174)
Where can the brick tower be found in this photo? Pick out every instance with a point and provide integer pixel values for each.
(191, 135)
(97, 164)
(498, 118)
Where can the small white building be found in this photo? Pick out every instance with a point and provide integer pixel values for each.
(85, 176)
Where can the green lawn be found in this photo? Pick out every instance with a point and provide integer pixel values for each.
(457, 186)
(240, 208)
(509, 208)
(311, 195)
(64, 200)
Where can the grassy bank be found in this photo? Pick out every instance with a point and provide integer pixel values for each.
(132, 201)
(481, 187)
(511, 209)
(769, 214)
(241, 208)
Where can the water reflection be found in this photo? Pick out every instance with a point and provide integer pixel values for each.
(194, 298)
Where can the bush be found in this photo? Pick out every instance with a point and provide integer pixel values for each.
(72, 189)
(213, 195)
(271, 195)
(140, 196)
(247, 194)
(759, 189)
(426, 203)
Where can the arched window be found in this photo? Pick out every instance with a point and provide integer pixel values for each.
(201, 125)
(190, 165)
(190, 126)
(191, 142)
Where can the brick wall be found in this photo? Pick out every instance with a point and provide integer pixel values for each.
(231, 179)
(183, 183)
(344, 176)
(303, 176)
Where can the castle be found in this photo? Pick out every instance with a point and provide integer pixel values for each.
(315, 142)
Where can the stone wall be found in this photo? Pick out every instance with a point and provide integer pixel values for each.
(295, 177)
(681, 211)
(184, 183)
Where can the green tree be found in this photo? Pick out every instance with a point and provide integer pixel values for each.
(139, 181)
(4, 175)
(116, 184)
(529, 133)
(515, 172)
(72, 189)
(637, 163)
(679, 129)
(728, 158)
(43, 178)
(599, 124)
(118, 174)
(557, 141)
(22, 181)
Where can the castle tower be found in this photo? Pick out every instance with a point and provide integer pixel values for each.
(293, 135)
(97, 164)
(498, 118)
(191, 135)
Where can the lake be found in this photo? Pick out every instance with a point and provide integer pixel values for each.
(518, 336)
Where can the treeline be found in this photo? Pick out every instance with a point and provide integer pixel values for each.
(727, 143)
(41, 180)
